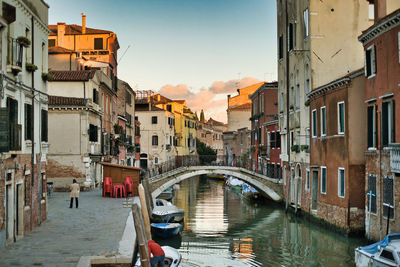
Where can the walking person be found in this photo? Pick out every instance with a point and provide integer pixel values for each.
(74, 193)
(158, 254)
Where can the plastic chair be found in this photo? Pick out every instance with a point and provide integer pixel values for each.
(107, 186)
(128, 186)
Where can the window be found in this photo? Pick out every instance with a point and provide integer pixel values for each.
(298, 138)
(398, 44)
(281, 46)
(95, 96)
(314, 123)
(291, 97)
(323, 180)
(387, 255)
(52, 42)
(371, 193)
(272, 140)
(371, 125)
(28, 122)
(262, 102)
(44, 57)
(281, 102)
(305, 18)
(28, 51)
(154, 120)
(388, 123)
(297, 96)
(291, 138)
(128, 99)
(308, 137)
(154, 140)
(340, 115)
(388, 196)
(98, 43)
(371, 11)
(290, 37)
(307, 89)
(341, 182)
(307, 180)
(278, 140)
(44, 126)
(93, 135)
(169, 108)
(370, 62)
(323, 121)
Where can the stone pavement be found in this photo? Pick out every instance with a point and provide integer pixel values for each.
(95, 228)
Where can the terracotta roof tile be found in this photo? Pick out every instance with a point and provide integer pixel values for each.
(241, 107)
(65, 101)
(71, 29)
(78, 75)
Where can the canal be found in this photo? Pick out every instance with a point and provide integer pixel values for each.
(220, 224)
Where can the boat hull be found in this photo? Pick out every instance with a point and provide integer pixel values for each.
(166, 230)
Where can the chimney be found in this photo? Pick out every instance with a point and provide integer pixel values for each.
(83, 23)
(379, 9)
(60, 33)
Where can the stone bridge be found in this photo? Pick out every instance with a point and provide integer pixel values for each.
(268, 187)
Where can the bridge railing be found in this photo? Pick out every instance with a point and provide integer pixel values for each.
(177, 165)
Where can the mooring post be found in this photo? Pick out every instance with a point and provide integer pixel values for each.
(141, 240)
(146, 218)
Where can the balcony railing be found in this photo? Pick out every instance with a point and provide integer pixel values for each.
(395, 158)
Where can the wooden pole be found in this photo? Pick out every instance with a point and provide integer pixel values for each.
(141, 240)
(149, 198)
(145, 213)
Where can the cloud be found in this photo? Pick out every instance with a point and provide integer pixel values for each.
(220, 87)
(206, 99)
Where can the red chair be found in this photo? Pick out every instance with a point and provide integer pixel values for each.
(107, 186)
(128, 186)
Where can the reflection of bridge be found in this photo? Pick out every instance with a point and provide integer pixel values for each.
(271, 188)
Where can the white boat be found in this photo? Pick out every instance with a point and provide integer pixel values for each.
(165, 211)
(172, 257)
(385, 253)
(235, 184)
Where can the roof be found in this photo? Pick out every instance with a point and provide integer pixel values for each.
(145, 107)
(163, 99)
(65, 101)
(383, 25)
(242, 107)
(214, 122)
(180, 101)
(73, 29)
(72, 75)
(119, 166)
(265, 86)
(59, 50)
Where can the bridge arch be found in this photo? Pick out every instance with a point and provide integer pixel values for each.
(261, 183)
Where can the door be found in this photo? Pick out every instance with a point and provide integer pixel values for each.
(292, 186)
(9, 214)
(314, 202)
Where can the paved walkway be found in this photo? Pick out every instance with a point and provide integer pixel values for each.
(95, 228)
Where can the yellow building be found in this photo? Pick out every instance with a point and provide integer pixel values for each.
(185, 124)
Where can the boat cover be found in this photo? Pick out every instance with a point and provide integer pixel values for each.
(373, 248)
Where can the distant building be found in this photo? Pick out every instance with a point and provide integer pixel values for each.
(381, 105)
(237, 148)
(23, 118)
(210, 133)
(265, 131)
(156, 137)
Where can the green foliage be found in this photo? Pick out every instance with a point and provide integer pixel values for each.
(23, 41)
(206, 153)
(47, 76)
(304, 147)
(30, 67)
(307, 103)
(295, 148)
(117, 129)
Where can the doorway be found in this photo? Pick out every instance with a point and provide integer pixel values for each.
(314, 201)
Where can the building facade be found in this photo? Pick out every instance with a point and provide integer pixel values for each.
(265, 150)
(210, 132)
(23, 122)
(381, 44)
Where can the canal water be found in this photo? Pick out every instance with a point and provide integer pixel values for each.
(220, 224)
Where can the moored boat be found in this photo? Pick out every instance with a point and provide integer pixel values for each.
(165, 230)
(172, 257)
(385, 253)
(167, 194)
(249, 191)
(165, 211)
(235, 184)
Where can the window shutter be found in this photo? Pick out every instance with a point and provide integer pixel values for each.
(44, 125)
(373, 60)
(365, 63)
(385, 125)
(4, 131)
(393, 123)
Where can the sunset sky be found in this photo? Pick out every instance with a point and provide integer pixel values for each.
(185, 49)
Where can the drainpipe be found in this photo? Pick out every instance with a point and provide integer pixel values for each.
(33, 123)
(287, 101)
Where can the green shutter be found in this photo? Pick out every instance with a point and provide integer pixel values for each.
(393, 122)
(4, 131)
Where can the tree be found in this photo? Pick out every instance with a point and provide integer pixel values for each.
(197, 117)
(202, 119)
(206, 153)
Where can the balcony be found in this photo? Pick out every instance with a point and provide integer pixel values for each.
(395, 158)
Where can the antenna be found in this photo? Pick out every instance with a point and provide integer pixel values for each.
(123, 54)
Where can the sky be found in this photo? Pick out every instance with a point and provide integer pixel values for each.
(198, 50)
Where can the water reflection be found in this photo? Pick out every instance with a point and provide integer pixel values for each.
(220, 224)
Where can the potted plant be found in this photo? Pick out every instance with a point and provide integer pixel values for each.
(291, 107)
(307, 103)
(47, 76)
(304, 147)
(31, 67)
(117, 128)
(295, 148)
(23, 41)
